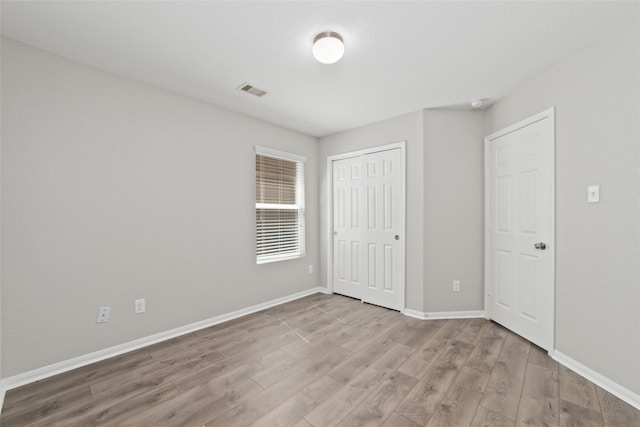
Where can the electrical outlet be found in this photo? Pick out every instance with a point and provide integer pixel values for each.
(103, 314)
(593, 194)
(456, 286)
(310, 268)
(139, 306)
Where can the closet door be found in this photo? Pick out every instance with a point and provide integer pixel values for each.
(368, 218)
(347, 227)
(383, 227)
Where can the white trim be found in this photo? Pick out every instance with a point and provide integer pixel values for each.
(415, 314)
(276, 206)
(369, 150)
(279, 257)
(403, 247)
(549, 114)
(600, 380)
(280, 154)
(329, 231)
(330, 159)
(3, 390)
(438, 315)
(87, 359)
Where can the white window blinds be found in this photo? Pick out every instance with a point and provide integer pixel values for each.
(279, 206)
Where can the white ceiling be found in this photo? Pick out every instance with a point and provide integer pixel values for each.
(400, 56)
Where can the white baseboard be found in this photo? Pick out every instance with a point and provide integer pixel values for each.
(2, 393)
(9, 383)
(87, 359)
(438, 315)
(616, 389)
(414, 313)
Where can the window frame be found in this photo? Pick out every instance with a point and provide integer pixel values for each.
(299, 205)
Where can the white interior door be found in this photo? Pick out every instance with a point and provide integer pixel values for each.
(368, 219)
(384, 216)
(519, 223)
(347, 234)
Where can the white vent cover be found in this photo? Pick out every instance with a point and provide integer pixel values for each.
(246, 87)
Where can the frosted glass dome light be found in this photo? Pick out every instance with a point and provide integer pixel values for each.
(328, 47)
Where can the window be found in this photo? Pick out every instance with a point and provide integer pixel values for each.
(279, 205)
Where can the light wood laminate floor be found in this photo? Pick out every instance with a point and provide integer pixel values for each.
(325, 360)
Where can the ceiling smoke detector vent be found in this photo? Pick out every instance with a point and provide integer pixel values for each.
(479, 103)
(246, 87)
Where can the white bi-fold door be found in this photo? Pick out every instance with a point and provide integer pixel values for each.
(368, 227)
(519, 269)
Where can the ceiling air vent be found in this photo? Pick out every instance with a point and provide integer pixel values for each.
(246, 87)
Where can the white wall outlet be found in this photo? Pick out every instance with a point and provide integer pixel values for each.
(103, 314)
(310, 268)
(140, 306)
(456, 286)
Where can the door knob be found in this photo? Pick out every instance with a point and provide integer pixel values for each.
(397, 237)
(335, 232)
(542, 246)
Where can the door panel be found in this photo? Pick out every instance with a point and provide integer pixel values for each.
(371, 264)
(355, 262)
(347, 210)
(385, 206)
(503, 279)
(388, 268)
(519, 215)
(374, 203)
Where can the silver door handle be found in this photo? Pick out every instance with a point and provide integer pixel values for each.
(397, 237)
(542, 246)
(335, 232)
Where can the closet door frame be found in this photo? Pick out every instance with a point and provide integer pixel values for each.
(329, 211)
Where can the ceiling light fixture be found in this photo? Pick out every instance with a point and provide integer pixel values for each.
(328, 47)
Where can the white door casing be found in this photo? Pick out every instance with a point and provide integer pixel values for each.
(368, 226)
(520, 239)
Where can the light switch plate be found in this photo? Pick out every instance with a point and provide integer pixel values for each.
(593, 194)
(139, 306)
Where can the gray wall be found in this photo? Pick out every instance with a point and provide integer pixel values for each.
(445, 203)
(453, 210)
(403, 128)
(597, 245)
(113, 190)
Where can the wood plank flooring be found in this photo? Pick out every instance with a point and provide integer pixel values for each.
(325, 360)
